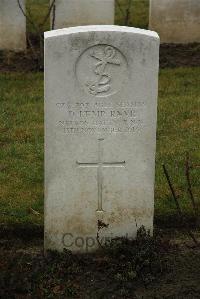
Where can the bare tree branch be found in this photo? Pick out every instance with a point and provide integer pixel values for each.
(189, 189)
(178, 206)
(53, 17)
(31, 46)
(120, 8)
(128, 11)
(172, 190)
(28, 18)
(52, 6)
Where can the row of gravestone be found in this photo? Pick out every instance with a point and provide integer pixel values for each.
(176, 21)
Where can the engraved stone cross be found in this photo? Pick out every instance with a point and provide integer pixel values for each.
(100, 164)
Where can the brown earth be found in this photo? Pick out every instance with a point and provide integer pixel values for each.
(173, 271)
(171, 55)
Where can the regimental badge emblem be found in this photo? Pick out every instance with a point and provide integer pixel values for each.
(101, 70)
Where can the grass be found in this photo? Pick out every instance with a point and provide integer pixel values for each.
(21, 140)
(21, 155)
(178, 133)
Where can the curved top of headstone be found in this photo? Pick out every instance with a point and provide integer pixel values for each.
(100, 28)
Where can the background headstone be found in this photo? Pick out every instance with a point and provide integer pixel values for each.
(83, 12)
(176, 21)
(12, 26)
(100, 118)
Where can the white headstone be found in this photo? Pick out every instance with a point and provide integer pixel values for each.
(83, 12)
(176, 21)
(12, 26)
(100, 119)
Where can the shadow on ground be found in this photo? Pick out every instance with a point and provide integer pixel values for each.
(166, 266)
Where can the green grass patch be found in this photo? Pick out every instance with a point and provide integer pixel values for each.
(22, 139)
(178, 132)
(21, 155)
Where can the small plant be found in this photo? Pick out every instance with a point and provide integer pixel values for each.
(188, 167)
(139, 258)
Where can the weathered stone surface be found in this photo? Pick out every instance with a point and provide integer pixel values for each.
(176, 21)
(100, 119)
(83, 12)
(12, 26)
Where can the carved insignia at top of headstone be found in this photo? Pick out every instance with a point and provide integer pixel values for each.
(105, 70)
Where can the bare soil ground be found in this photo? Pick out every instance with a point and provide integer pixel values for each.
(171, 55)
(174, 271)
